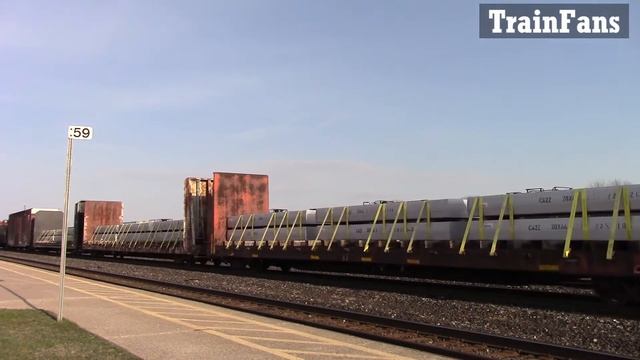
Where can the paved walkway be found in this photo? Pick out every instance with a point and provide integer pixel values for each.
(155, 326)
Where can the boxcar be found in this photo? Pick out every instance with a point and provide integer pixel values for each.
(27, 225)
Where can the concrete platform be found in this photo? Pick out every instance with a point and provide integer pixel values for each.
(154, 326)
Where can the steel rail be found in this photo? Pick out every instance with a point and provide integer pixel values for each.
(500, 342)
(578, 303)
(425, 282)
(497, 294)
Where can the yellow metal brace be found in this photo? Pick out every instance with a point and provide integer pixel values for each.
(277, 232)
(508, 202)
(623, 193)
(345, 211)
(381, 209)
(235, 227)
(130, 243)
(164, 238)
(477, 204)
(579, 195)
(249, 221)
(328, 215)
(266, 230)
(297, 219)
(402, 209)
(426, 209)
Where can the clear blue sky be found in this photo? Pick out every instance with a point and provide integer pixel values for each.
(338, 101)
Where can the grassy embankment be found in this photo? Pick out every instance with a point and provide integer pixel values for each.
(31, 334)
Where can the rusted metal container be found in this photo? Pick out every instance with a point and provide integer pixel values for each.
(89, 214)
(3, 233)
(198, 199)
(27, 225)
(236, 194)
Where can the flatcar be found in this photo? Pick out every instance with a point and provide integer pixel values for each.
(536, 236)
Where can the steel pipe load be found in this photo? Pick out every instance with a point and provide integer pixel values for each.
(555, 229)
(538, 216)
(53, 238)
(286, 218)
(439, 209)
(437, 231)
(139, 234)
(554, 202)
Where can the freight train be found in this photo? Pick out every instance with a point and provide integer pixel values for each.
(535, 236)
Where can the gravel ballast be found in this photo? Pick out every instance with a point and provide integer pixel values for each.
(604, 333)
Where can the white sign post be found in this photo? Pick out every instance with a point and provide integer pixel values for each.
(78, 133)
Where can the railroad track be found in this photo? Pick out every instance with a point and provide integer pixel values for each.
(447, 341)
(570, 302)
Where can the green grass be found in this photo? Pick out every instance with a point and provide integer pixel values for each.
(32, 334)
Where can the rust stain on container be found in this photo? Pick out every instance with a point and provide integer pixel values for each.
(198, 199)
(236, 194)
(19, 230)
(92, 213)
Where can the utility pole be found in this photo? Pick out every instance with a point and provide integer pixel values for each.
(81, 133)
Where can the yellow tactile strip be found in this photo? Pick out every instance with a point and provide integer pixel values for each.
(258, 335)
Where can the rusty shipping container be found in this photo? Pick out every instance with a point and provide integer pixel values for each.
(27, 225)
(198, 200)
(236, 194)
(89, 214)
(3, 233)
